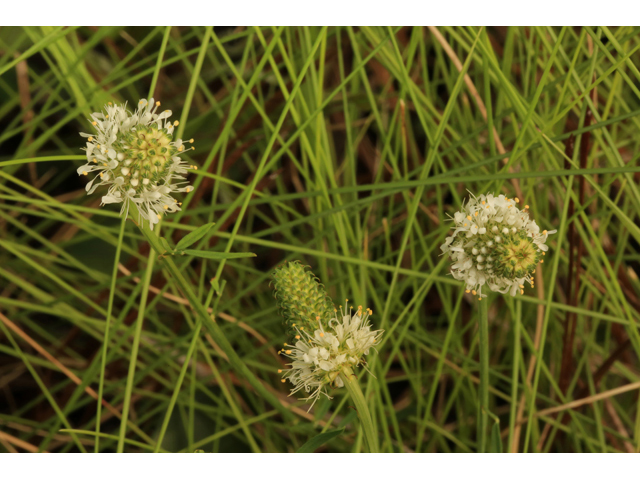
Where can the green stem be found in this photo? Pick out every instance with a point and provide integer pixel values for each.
(156, 71)
(483, 406)
(176, 390)
(134, 350)
(112, 291)
(351, 384)
(210, 324)
(514, 377)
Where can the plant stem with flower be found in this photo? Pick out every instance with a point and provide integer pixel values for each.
(327, 346)
(136, 157)
(494, 244)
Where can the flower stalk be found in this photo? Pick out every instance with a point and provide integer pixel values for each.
(327, 345)
(483, 404)
(351, 384)
(211, 325)
(496, 245)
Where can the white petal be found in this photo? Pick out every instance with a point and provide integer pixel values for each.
(111, 199)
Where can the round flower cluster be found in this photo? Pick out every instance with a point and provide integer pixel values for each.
(135, 155)
(495, 243)
(319, 357)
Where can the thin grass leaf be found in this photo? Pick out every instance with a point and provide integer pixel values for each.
(319, 440)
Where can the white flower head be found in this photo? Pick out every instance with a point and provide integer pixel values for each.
(318, 357)
(136, 157)
(495, 243)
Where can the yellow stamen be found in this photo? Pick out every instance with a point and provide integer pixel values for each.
(176, 123)
(279, 370)
(157, 104)
(283, 380)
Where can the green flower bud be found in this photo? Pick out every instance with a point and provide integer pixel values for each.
(301, 298)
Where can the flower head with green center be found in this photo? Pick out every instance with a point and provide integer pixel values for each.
(136, 157)
(495, 243)
(325, 343)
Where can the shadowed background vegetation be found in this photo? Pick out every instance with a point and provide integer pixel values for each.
(345, 148)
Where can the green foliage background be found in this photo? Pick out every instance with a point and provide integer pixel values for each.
(345, 148)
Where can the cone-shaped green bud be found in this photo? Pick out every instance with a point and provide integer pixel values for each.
(301, 298)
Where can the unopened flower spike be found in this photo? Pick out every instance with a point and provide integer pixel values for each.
(327, 341)
(495, 243)
(137, 158)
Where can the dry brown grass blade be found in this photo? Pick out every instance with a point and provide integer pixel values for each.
(24, 92)
(587, 400)
(43, 433)
(476, 97)
(19, 443)
(184, 301)
(72, 376)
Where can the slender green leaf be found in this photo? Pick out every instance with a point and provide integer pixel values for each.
(217, 255)
(316, 442)
(194, 236)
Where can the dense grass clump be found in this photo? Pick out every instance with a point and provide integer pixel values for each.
(348, 150)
